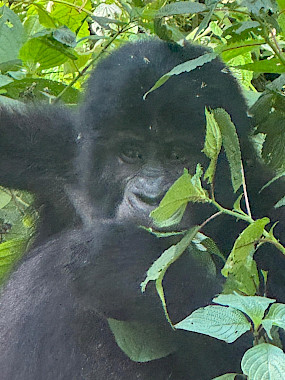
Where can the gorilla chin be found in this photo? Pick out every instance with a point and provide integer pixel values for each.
(73, 308)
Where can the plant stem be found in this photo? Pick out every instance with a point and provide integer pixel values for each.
(270, 238)
(82, 72)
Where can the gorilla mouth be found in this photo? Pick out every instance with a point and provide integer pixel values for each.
(152, 201)
(142, 205)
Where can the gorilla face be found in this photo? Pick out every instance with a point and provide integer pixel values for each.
(148, 165)
(140, 146)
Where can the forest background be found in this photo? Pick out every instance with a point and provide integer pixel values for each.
(48, 48)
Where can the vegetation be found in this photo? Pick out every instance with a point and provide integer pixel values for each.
(47, 49)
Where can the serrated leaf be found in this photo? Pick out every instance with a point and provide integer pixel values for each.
(212, 146)
(185, 189)
(231, 145)
(183, 67)
(70, 16)
(168, 257)
(224, 323)
(245, 245)
(240, 263)
(254, 306)
(264, 361)
(275, 317)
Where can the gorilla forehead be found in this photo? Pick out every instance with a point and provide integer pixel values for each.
(120, 81)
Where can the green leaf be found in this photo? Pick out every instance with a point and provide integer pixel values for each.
(168, 257)
(212, 146)
(231, 145)
(264, 361)
(5, 198)
(280, 203)
(65, 36)
(227, 376)
(275, 317)
(185, 189)
(207, 18)
(205, 244)
(239, 48)
(71, 16)
(237, 206)
(12, 35)
(254, 307)
(44, 53)
(38, 86)
(183, 67)
(244, 76)
(220, 322)
(10, 252)
(258, 6)
(5, 79)
(273, 65)
(240, 263)
(179, 8)
(142, 342)
(273, 150)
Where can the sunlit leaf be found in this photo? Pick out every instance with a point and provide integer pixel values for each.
(264, 361)
(224, 323)
(254, 307)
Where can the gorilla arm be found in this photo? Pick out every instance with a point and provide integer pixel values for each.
(38, 145)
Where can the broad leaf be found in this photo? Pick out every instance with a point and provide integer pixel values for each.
(275, 317)
(240, 262)
(142, 342)
(12, 35)
(254, 307)
(186, 189)
(168, 257)
(224, 323)
(264, 361)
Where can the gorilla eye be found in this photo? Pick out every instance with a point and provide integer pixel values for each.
(131, 154)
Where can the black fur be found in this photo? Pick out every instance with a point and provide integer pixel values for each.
(104, 171)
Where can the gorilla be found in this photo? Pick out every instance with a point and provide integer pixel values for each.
(73, 308)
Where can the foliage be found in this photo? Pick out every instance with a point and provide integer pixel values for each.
(17, 220)
(226, 322)
(46, 52)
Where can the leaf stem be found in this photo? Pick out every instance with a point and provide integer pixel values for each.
(245, 192)
(83, 72)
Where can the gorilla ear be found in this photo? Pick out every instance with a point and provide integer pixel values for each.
(37, 144)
